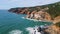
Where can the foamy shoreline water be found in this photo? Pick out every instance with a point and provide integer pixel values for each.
(15, 32)
(36, 19)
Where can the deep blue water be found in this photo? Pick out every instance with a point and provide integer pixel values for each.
(11, 23)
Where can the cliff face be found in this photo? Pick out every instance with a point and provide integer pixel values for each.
(48, 16)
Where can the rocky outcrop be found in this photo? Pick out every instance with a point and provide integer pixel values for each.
(47, 16)
(53, 30)
(42, 14)
(56, 19)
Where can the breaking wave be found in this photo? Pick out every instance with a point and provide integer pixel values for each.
(31, 19)
(31, 30)
(15, 32)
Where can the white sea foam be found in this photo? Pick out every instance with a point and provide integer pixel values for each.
(36, 20)
(23, 17)
(15, 32)
(32, 30)
(30, 19)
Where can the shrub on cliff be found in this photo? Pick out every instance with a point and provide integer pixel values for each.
(58, 24)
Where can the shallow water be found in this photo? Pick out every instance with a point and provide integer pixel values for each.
(11, 23)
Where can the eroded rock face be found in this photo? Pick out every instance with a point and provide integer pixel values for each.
(42, 15)
(47, 16)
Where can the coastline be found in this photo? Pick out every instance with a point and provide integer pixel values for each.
(50, 13)
(36, 20)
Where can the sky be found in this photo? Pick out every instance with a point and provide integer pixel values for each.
(7, 4)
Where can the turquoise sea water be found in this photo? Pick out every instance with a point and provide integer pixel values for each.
(11, 23)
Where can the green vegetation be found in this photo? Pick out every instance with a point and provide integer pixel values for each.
(58, 24)
(54, 9)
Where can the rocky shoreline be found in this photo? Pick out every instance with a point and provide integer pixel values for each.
(42, 14)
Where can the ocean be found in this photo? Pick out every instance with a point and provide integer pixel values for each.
(12, 23)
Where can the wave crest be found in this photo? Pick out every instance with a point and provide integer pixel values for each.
(15, 32)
